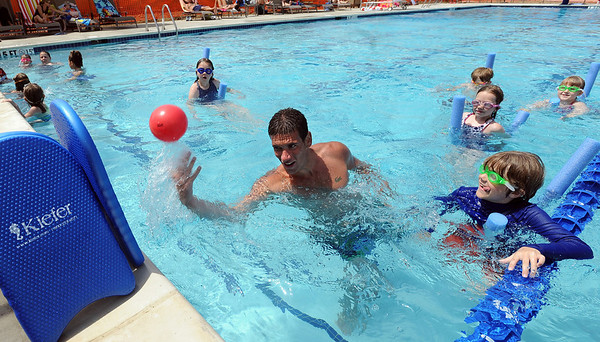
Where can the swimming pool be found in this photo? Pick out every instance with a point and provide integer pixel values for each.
(378, 95)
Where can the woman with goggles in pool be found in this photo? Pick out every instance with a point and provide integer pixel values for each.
(485, 107)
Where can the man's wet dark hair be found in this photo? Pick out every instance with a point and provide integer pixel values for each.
(288, 121)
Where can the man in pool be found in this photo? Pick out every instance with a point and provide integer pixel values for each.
(304, 167)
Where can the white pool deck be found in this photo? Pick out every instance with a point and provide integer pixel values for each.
(155, 311)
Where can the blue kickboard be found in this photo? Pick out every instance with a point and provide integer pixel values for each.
(76, 138)
(57, 251)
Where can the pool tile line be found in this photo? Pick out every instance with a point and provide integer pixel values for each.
(315, 322)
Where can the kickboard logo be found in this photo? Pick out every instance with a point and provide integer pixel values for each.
(39, 226)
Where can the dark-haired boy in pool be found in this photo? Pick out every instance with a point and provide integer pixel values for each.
(507, 181)
(303, 168)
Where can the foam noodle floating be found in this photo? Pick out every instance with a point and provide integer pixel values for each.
(222, 90)
(591, 78)
(572, 168)
(520, 119)
(491, 57)
(458, 108)
(206, 53)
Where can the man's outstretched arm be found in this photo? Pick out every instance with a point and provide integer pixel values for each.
(184, 181)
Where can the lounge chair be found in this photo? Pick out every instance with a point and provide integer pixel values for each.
(223, 9)
(75, 21)
(189, 15)
(65, 245)
(12, 31)
(205, 15)
(110, 16)
(323, 6)
(30, 27)
(278, 5)
(41, 29)
(342, 4)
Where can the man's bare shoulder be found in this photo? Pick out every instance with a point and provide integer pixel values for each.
(331, 149)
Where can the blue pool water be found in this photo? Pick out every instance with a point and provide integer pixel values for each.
(375, 84)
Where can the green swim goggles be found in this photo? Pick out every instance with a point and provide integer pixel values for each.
(495, 178)
(572, 89)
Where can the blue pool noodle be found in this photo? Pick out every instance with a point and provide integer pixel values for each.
(572, 168)
(521, 117)
(222, 90)
(591, 78)
(489, 63)
(458, 107)
(206, 53)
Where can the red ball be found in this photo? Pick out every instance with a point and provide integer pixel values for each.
(168, 123)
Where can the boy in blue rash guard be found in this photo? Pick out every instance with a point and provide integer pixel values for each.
(507, 181)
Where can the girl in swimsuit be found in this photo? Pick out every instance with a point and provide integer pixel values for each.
(76, 65)
(485, 107)
(33, 94)
(206, 86)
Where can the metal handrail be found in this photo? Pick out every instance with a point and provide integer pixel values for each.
(153, 18)
(171, 15)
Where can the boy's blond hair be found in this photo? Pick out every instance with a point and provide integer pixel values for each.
(484, 74)
(524, 170)
(574, 81)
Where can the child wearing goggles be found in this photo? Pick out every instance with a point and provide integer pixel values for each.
(206, 86)
(567, 98)
(25, 61)
(480, 122)
(568, 91)
(507, 181)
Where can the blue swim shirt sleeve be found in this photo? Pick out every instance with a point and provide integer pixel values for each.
(464, 199)
(563, 244)
(454, 200)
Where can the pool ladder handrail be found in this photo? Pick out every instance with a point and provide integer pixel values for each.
(172, 19)
(153, 18)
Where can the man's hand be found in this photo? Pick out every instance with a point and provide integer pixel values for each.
(184, 178)
(529, 257)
